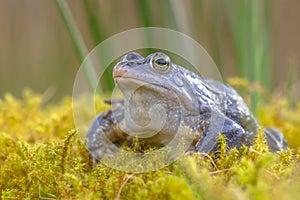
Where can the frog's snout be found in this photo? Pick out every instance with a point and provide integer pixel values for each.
(129, 60)
(119, 70)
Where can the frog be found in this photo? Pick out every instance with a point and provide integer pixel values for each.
(160, 98)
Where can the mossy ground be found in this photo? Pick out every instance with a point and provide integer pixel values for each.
(42, 156)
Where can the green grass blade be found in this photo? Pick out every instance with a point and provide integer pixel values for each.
(145, 12)
(250, 26)
(98, 35)
(93, 19)
(77, 41)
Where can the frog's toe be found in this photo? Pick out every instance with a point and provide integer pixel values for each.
(275, 139)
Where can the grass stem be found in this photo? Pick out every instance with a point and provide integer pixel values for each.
(77, 41)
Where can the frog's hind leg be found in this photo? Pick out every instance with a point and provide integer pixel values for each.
(234, 134)
(275, 139)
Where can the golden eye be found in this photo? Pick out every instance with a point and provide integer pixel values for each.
(160, 62)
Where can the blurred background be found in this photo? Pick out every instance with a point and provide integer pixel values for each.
(257, 40)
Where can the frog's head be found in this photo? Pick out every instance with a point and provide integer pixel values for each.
(154, 82)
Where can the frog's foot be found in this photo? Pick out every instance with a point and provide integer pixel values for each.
(275, 139)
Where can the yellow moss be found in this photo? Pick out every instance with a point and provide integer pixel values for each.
(278, 113)
(42, 156)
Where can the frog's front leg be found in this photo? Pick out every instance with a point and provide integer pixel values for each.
(104, 137)
(235, 136)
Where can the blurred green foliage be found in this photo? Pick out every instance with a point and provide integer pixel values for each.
(248, 22)
(37, 51)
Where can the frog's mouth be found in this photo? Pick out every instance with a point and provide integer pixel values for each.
(131, 84)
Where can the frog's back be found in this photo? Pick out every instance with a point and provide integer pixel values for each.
(223, 98)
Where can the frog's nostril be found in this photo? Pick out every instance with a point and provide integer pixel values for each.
(119, 70)
(132, 57)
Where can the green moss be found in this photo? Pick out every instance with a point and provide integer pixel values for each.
(42, 156)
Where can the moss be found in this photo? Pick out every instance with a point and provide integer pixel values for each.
(42, 156)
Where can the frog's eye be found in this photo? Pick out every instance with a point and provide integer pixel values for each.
(160, 62)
